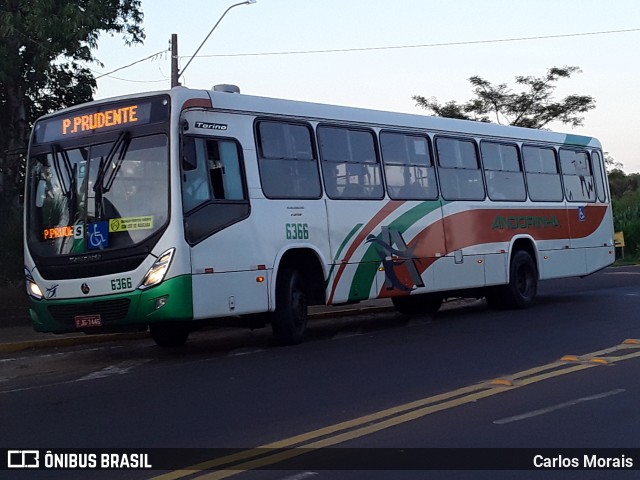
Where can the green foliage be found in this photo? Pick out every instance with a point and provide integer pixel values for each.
(620, 183)
(41, 45)
(625, 191)
(533, 108)
(626, 218)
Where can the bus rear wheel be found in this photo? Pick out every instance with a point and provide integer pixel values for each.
(289, 321)
(522, 288)
(168, 335)
(418, 304)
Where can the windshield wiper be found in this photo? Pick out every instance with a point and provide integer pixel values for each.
(101, 186)
(58, 152)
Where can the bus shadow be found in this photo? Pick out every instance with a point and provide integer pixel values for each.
(212, 342)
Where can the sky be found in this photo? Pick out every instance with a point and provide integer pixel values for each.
(448, 42)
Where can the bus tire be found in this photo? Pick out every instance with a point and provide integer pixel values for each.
(418, 304)
(522, 288)
(169, 336)
(289, 321)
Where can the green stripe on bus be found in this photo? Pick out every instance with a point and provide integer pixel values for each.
(142, 307)
(366, 272)
(577, 140)
(353, 231)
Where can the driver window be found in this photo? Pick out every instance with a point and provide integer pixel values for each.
(210, 171)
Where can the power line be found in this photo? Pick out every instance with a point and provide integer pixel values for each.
(138, 81)
(131, 64)
(95, 72)
(426, 45)
(363, 49)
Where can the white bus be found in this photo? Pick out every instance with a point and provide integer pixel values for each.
(171, 209)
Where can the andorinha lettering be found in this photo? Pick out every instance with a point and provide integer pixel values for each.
(524, 222)
(98, 120)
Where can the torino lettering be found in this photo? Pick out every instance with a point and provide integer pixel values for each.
(523, 222)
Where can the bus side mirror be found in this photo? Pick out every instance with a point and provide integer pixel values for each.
(41, 193)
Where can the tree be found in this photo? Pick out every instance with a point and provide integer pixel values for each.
(42, 45)
(534, 107)
(611, 163)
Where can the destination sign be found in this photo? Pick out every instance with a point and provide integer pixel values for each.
(102, 118)
(98, 120)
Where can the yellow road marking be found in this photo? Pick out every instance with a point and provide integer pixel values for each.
(375, 422)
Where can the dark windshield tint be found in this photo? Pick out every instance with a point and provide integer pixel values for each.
(97, 197)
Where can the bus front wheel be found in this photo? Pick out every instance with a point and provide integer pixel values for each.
(289, 321)
(169, 336)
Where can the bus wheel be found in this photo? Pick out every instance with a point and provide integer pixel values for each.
(289, 321)
(169, 336)
(418, 304)
(522, 288)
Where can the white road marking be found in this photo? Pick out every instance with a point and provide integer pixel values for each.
(300, 476)
(240, 352)
(553, 408)
(348, 334)
(119, 369)
(59, 354)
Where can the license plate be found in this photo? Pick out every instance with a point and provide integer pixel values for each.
(88, 321)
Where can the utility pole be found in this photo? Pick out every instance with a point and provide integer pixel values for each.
(174, 60)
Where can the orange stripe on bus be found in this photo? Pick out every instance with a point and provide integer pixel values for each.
(360, 238)
(474, 227)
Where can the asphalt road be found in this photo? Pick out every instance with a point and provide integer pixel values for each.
(469, 377)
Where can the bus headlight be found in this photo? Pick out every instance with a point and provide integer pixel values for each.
(158, 270)
(34, 290)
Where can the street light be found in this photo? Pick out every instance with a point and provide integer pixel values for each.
(246, 2)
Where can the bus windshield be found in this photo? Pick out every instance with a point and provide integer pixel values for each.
(97, 197)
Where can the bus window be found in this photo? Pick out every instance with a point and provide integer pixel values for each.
(195, 187)
(598, 170)
(576, 175)
(503, 173)
(408, 167)
(211, 171)
(543, 177)
(349, 163)
(287, 161)
(459, 171)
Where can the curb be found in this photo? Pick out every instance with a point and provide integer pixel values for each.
(12, 347)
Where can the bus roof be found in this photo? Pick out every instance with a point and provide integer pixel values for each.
(267, 106)
(325, 112)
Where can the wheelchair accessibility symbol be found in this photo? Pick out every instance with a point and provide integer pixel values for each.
(582, 214)
(98, 235)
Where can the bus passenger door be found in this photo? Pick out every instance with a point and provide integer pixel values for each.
(353, 268)
(228, 267)
(388, 252)
(411, 245)
(464, 263)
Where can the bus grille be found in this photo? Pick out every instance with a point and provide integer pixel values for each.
(109, 310)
